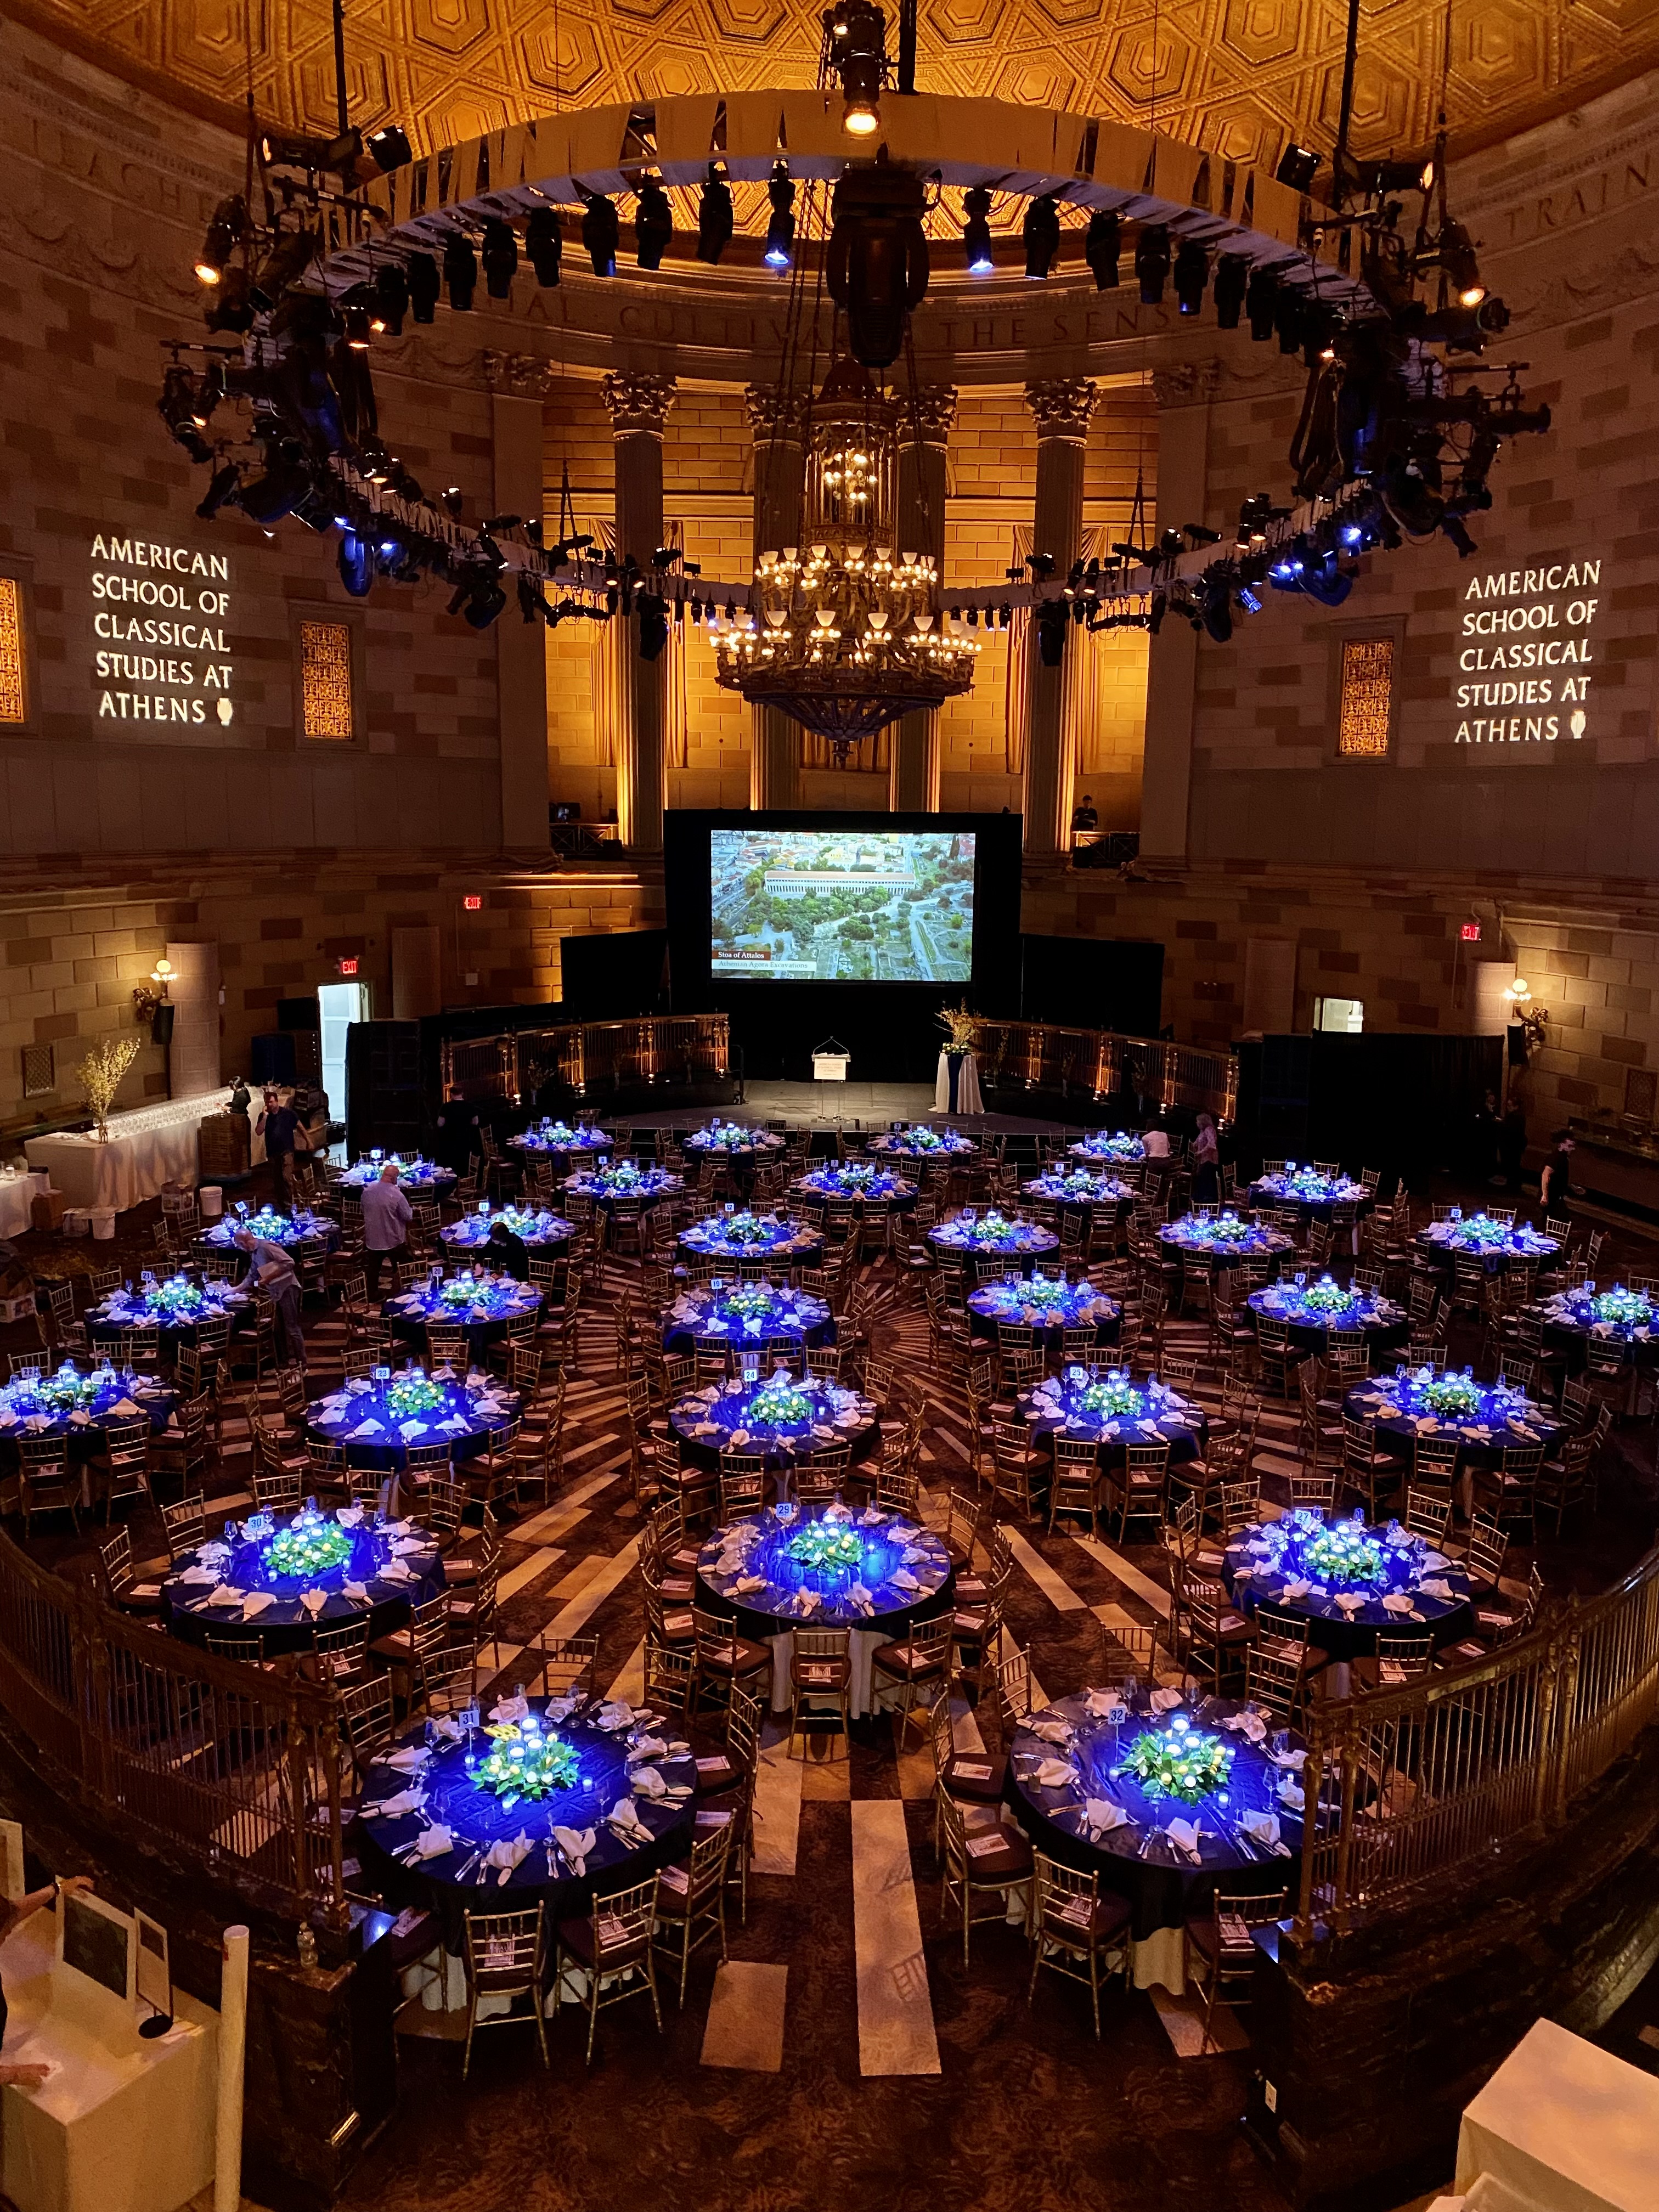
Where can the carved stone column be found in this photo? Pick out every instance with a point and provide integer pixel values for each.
(518, 384)
(639, 408)
(1183, 395)
(1063, 407)
(777, 419)
(925, 426)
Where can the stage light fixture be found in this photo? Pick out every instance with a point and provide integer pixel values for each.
(390, 297)
(1261, 303)
(653, 223)
(180, 409)
(225, 479)
(601, 229)
(501, 259)
(389, 148)
(780, 228)
(1152, 263)
(424, 285)
(1457, 255)
(460, 271)
(229, 304)
(877, 265)
(1287, 320)
(1042, 236)
(544, 245)
(976, 231)
(1296, 165)
(1191, 275)
(716, 221)
(857, 32)
(354, 319)
(477, 599)
(1232, 277)
(229, 221)
(1103, 248)
(355, 563)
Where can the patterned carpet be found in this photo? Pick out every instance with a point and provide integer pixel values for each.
(846, 2055)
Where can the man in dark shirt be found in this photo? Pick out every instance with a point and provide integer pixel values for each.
(1085, 818)
(277, 1124)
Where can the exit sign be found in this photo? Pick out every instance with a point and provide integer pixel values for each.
(1470, 932)
(473, 903)
(348, 967)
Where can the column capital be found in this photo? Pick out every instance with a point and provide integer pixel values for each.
(1062, 406)
(516, 375)
(638, 405)
(1186, 384)
(777, 413)
(926, 416)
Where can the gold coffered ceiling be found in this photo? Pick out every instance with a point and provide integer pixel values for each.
(1236, 76)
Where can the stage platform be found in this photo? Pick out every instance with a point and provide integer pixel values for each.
(852, 1106)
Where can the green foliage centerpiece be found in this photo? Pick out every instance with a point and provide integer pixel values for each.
(1327, 1297)
(828, 1546)
(309, 1545)
(1113, 1395)
(1623, 1309)
(1181, 1761)
(1458, 1395)
(407, 1396)
(779, 1404)
(1344, 1553)
(522, 1762)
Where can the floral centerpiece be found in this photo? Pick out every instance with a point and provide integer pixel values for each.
(1111, 1395)
(1076, 1183)
(100, 1077)
(751, 1301)
(408, 1396)
(1047, 1292)
(1123, 1146)
(1327, 1297)
(1222, 1229)
(779, 1404)
(1458, 1395)
(1180, 1762)
(461, 1290)
(1344, 1553)
(1479, 1232)
(920, 1140)
(624, 1177)
(174, 1300)
(744, 1229)
(960, 1027)
(559, 1136)
(522, 1762)
(1622, 1308)
(724, 1137)
(67, 1390)
(826, 1547)
(308, 1546)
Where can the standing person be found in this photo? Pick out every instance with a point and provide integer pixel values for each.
(1085, 818)
(387, 1216)
(15, 2074)
(279, 1125)
(1512, 1145)
(1206, 1162)
(1555, 1185)
(270, 1270)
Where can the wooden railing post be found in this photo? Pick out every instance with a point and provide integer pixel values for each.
(1569, 1643)
(1302, 1928)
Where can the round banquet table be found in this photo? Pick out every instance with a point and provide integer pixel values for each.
(1382, 1324)
(284, 1229)
(731, 1141)
(1056, 1406)
(604, 1185)
(420, 1178)
(718, 1419)
(172, 1317)
(359, 1417)
(511, 1233)
(485, 1315)
(1123, 1147)
(746, 1316)
(560, 1140)
(859, 1183)
(241, 1563)
(1312, 1195)
(1500, 1417)
(1497, 1245)
(1198, 1243)
(1046, 1303)
(103, 1399)
(1268, 1563)
(758, 1238)
(920, 1142)
(1090, 1734)
(746, 1570)
(993, 1237)
(1616, 1318)
(452, 1882)
(1080, 1192)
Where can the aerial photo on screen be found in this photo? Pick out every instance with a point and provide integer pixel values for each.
(841, 906)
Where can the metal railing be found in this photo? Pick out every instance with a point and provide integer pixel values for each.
(235, 1769)
(587, 1055)
(1042, 1057)
(1403, 1785)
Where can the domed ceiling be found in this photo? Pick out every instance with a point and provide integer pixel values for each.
(1237, 76)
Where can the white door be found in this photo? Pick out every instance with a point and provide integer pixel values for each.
(338, 1005)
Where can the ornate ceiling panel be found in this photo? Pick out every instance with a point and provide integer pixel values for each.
(1235, 75)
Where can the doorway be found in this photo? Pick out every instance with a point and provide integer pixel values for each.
(338, 1005)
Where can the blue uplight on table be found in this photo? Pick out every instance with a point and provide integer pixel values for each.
(992, 1231)
(1304, 1186)
(551, 1136)
(777, 1413)
(176, 1303)
(1040, 1300)
(744, 1234)
(530, 1224)
(469, 1298)
(921, 1143)
(625, 1179)
(731, 1137)
(1108, 1403)
(413, 1174)
(855, 1179)
(1221, 1234)
(301, 1227)
(747, 1314)
(1325, 1304)
(1122, 1145)
(385, 1415)
(1341, 1564)
(845, 1560)
(1625, 1316)
(1077, 1186)
(1454, 1404)
(1479, 1233)
(68, 1399)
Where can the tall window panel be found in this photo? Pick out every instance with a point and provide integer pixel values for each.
(14, 694)
(327, 708)
(1366, 708)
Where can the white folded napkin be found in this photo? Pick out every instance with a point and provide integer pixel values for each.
(432, 1843)
(616, 1713)
(1396, 1601)
(369, 1428)
(405, 1800)
(348, 1517)
(746, 1585)
(646, 1782)
(313, 1601)
(806, 1602)
(871, 1517)
(509, 1709)
(124, 1406)
(395, 1571)
(575, 1844)
(1292, 1760)
(1105, 1705)
(901, 1578)
(1262, 1829)
(1056, 1773)
(446, 1726)
(198, 1574)
(1101, 1815)
(623, 1819)
(255, 1603)
(861, 1598)
(1165, 1701)
(1248, 1724)
(357, 1592)
(505, 1855)
(1348, 1601)
(1298, 1586)
(1437, 1586)
(1184, 1834)
(409, 1759)
(647, 1747)
(1053, 1731)
(1290, 1793)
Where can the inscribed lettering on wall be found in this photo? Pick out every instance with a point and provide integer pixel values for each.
(325, 702)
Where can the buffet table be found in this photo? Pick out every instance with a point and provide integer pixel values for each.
(146, 1150)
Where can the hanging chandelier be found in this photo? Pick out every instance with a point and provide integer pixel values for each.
(846, 634)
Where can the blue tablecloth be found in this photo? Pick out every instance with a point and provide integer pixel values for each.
(532, 1226)
(562, 1140)
(172, 1310)
(242, 1562)
(1496, 1245)
(1152, 1414)
(745, 1317)
(1138, 1860)
(420, 1178)
(604, 1185)
(711, 1421)
(993, 1236)
(1222, 1240)
(1611, 1316)
(1378, 1319)
(858, 1183)
(759, 1237)
(921, 1142)
(1498, 1418)
(1310, 1194)
(1269, 1564)
(732, 1141)
(28, 1408)
(1083, 1191)
(1122, 1145)
(1046, 1304)
(464, 1421)
(862, 1594)
(485, 1315)
(477, 1819)
(275, 1228)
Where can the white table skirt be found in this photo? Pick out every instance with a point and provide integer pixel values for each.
(967, 1100)
(17, 1193)
(1564, 2123)
(147, 1149)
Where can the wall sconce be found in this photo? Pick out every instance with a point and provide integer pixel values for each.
(147, 997)
(1533, 1020)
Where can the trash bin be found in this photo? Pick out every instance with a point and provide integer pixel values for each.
(76, 1222)
(103, 1224)
(211, 1198)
